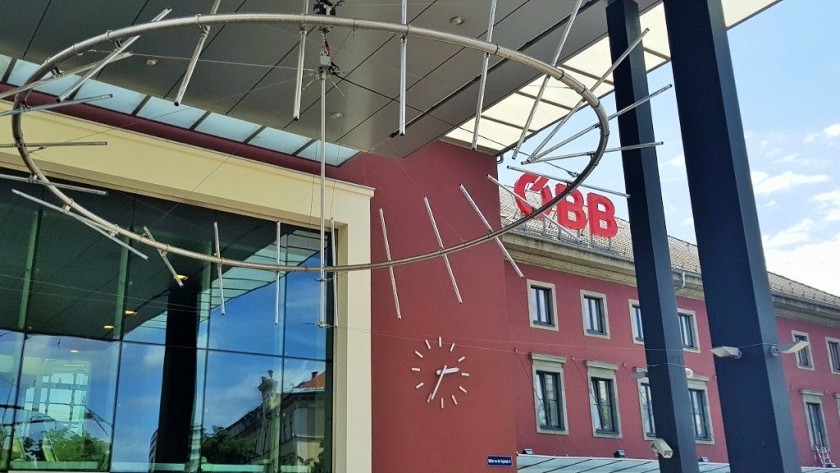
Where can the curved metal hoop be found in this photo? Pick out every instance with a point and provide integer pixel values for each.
(305, 21)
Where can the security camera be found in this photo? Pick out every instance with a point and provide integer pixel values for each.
(662, 448)
(727, 352)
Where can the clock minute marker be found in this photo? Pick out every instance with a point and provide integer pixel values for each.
(462, 389)
(452, 348)
(428, 345)
(455, 401)
(419, 385)
(415, 369)
(440, 342)
(462, 359)
(418, 353)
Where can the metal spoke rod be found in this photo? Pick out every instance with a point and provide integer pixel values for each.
(165, 259)
(56, 76)
(624, 110)
(546, 78)
(567, 181)
(34, 180)
(54, 144)
(202, 38)
(322, 277)
(219, 266)
(525, 201)
(299, 72)
(335, 274)
(440, 245)
(390, 268)
(490, 229)
(90, 224)
(479, 106)
(277, 279)
(107, 60)
(403, 67)
(535, 155)
(50, 106)
(590, 153)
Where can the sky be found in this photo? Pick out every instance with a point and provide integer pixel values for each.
(786, 68)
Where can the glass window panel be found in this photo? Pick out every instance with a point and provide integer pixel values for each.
(541, 307)
(227, 127)
(638, 330)
(241, 420)
(700, 413)
(689, 340)
(140, 399)
(647, 410)
(5, 61)
(335, 154)
(834, 355)
(10, 346)
(57, 432)
(304, 409)
(816, 427)
(80, 274)
(19, 223)
(303, 338)
(279, 140)
(803, 356)
(165, 111)
(594, 307)
(124, 100)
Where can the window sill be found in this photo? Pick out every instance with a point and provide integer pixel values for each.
(592, 333)
(704, 441)
(608, 435)
(541, 430)
(803, 367)
(692, 349)
(542, 326)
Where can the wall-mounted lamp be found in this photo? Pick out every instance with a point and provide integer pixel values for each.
(642, 373)
(788, 348)
(661, 447)
(727, 352)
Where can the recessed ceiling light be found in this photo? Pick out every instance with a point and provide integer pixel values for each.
(108, 327)
(336, 115)
(73, 350)
(130, 312)
(457, 20)
(151, 61)
(181, 277)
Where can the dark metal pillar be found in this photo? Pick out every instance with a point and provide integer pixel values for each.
(654, 277)
(177, 397)
(753, 394)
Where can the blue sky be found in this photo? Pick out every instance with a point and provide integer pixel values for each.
(786, 68)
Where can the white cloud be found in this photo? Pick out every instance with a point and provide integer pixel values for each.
(765, 184)
(689, 221)
(814, 264)
(829, 202)
(810, 137)
(677, 161)
(832, 130)
(798, 233)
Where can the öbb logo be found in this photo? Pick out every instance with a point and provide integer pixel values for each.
(571, 212)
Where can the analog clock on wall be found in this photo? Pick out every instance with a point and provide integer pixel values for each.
(440, 373)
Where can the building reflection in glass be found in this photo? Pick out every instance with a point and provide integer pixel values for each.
(107, 365)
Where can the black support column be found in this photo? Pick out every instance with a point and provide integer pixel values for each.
(753, 393)
(177, 397)
(654, 277)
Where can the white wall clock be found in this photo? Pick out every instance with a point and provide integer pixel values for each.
(440, 373)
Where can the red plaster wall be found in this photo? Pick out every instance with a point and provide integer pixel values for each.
(821, 378)
(571, 343)
(409, 434)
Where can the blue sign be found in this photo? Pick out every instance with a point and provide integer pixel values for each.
(499, 460)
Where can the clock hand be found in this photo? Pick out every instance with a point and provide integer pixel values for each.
(446, 370)
(440, 378)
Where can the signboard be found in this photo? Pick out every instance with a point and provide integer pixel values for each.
(598, 213)
(499, 460)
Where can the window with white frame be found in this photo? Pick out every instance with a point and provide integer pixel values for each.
(549, 394)
(541, 305)
(803, 356)
(688, 330)
(646, 404)
(636, 322)
(603, 396)
(833, 347)
(595, 318)
(815, 419)
(700, 414)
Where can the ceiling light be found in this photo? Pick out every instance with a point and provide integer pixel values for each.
(336, 115)
(108, 327)
(181, 277)
(73, 350)
(457, 20)
(130, 312)
(151, 61)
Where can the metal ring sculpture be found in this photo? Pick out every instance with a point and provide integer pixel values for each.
(305, 21)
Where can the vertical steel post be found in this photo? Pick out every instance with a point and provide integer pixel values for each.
(654, 279)
(753, 393)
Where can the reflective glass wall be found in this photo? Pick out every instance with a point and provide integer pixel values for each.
(107, 363)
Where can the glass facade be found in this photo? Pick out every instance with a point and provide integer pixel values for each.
(106, 364)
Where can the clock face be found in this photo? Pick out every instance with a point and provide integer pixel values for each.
(440, 373)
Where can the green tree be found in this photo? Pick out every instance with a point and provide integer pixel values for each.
(221, 448)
